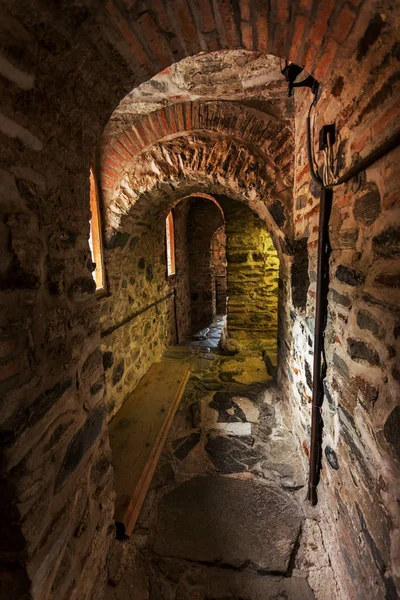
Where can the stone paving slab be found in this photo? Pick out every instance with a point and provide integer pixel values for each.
(221, 519)
(228, 521)
(225, 584)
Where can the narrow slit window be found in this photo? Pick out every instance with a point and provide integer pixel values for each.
(170, 240)
(95, 241)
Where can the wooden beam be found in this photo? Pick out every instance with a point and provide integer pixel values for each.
(138, 433)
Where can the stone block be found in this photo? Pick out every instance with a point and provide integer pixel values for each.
(331, 457)
(391, 430)
(389, 279)
(338, 298)
(366, 320)
(367, 208)
(116, 239)
(349, 276)
(368, 392)
(92, 363)
(299, 274)
(341, 366)
(31, 415)
(230, 454)
(247, 523)
(359, 351)
(345, 239)
(237, 257)
(108, 360)
(228, 410)
(277, 211)
(80, 444)
(118, 372)
(81, 288)
(387, 243)
(182, 446)
(149, 273)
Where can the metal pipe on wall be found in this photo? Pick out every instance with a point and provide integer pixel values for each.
(321, 310)
(135, 314)
(176, 317)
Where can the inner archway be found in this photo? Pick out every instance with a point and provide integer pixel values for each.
(205, 218)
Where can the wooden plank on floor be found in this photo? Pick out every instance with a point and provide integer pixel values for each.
(138, 433)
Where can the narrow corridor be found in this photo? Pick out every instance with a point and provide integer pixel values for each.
(225, 515)
(164, 162)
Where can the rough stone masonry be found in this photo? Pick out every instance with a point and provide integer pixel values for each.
(219, 123)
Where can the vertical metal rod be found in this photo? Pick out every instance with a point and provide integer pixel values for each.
(176, 318)
(320, 321)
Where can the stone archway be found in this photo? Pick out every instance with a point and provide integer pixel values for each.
(204, 219)
(136, 272)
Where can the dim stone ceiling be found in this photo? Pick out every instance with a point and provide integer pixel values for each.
(250, 78)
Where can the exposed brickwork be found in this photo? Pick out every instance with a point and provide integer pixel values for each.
(360, 390)
(259, 132)
(196, 161)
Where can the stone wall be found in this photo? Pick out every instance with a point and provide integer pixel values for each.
(57, 488)
(182, 266)
(137, 281)
(252, 277)
(358, 492)
(56, 500)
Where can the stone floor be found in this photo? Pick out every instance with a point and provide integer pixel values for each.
(225, 516)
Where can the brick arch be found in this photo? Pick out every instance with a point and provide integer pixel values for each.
(150, 36)
(329, 39)
(204, 197)
(270, 138)
(211, 164)
(111, 47)
(326, 38)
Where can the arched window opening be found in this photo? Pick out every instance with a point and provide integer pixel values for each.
(95, 241)
(170, 243)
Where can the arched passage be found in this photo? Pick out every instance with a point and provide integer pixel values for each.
(201, 156)
(263, 133)
(204, 219)
(144, 310)
(51, 325)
